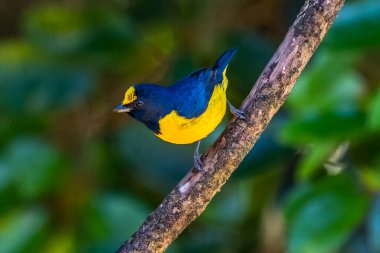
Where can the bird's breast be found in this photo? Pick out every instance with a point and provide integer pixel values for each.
(177, 129)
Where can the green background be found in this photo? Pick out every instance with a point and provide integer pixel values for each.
(75, 177)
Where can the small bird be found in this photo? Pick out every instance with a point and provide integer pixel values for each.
(187, 111)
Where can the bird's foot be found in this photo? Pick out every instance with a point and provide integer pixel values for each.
(198, 164)
(197, 159)
(238, 113)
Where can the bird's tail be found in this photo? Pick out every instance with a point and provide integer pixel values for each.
(224, 59)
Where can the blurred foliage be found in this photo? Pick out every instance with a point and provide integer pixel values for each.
(305, 209)
(74, 177)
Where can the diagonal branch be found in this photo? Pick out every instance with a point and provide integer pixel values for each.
(191, 196)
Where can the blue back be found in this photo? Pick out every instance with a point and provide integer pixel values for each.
(193, 92)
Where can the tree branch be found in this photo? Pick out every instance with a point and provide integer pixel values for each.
(191, 196)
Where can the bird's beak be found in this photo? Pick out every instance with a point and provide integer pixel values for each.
(122, 108)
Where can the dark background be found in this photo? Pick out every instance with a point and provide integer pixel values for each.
(75, 177)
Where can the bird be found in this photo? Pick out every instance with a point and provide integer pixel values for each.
(187, 111)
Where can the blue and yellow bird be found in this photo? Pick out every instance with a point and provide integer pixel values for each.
(187, 111)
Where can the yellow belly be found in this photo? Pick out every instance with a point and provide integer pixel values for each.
(179, 130)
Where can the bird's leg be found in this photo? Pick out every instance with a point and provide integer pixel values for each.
(197, 159)
(238, 113)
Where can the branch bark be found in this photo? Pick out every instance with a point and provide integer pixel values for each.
(191, 196)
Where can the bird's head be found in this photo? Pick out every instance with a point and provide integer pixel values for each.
(147, 103)
(133, 100)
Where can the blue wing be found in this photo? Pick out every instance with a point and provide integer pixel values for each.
(193, 92)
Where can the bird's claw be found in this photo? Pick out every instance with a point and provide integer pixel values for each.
(197, 159)
(198, 164)
(238, 113)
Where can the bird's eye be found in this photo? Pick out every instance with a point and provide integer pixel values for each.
(139, 104)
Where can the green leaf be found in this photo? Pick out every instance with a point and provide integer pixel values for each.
(314, 159)
(5, 175)
(370, 176)
(357, 26)
(86, 31)
(325, 127)
(19, 228)
(328, 84)
(374, 112)
(321, 216)
(114, 218)
(35, 167)
(15, 53)
(63, 241)
(31, 85)
(374, 226)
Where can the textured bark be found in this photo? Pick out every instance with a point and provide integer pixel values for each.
(191, 196)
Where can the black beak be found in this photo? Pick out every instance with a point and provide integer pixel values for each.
(122, 108)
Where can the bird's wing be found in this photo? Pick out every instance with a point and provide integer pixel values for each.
(193, 92)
